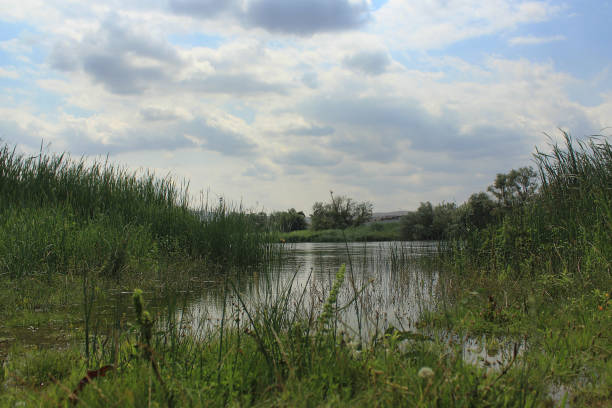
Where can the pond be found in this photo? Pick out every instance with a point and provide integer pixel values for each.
(395, 283)
(386, 283)
(392, 281)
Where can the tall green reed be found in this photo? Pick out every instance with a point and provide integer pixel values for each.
(73, 195)
(564, 229)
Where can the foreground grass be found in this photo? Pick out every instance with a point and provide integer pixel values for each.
(388, 231)
(563, 328)
(549, 351)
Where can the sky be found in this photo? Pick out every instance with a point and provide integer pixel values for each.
(275, 103)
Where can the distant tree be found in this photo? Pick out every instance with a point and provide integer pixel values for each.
(260, 219)
(321, 217)
(416, 225)
(429, 222)
(362, 213)
(479, 211)
(514, 188)
(445, 220)
(290, 220)
(341, 212)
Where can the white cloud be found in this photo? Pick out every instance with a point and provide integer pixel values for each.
(426, 24)
(533, 40)
(280, 115)
(10, 73)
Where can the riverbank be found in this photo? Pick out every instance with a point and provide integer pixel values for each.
(518, 314)
(373, 232)
(508, 351)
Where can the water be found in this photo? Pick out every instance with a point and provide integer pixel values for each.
(395, 282)
(393, 287)
(386, 283)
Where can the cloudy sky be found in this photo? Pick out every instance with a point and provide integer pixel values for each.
(276, 102)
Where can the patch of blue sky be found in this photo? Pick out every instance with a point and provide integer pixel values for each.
(76, 111)
(47, 103)
(196, 40)
(10, 59)
(474, 51)
(38, 55)
(434, 62)
(6, 59)
(376, 4)
(41, 101)
(10, 30)
(241, 111)
(401, 57)
(280, 44)
(585, 49)
(578, 51)
(7, 83)
(580, 42)
(35, 55)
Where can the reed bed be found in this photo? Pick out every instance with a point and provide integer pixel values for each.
(58, 213)
(564, 230)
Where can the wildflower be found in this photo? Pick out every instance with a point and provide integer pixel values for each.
(600, 307)
(426, 372)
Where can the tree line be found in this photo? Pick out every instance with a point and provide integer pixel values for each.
(508, 191)
(339, 213)
(428, 222)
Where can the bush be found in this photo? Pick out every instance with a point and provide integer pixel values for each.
(342, 212)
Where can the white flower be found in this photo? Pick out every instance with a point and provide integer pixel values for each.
(426, 372)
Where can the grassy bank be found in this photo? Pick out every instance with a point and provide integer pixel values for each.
(274, 354)
(72, 233)
(388, 231)
(564, 231)
(522, 312)
(265, 355)
(543, 273)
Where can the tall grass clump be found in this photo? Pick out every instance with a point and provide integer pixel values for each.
(53, 208)
(576, 201)
(565, 229)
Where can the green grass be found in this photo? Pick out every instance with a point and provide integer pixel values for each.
(565, 230)
(389, 231)
(58, 214)
(271, 354)
(539, 282)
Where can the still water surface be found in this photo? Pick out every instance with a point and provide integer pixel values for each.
(393, 283)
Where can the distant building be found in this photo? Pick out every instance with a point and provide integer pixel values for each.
(393, 216)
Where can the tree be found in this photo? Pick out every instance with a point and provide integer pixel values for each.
(445, 218)
(341, 212)
(514, 188)
(429, 222)
(290, 220)
(479, 210)
(416, 225)
(260, 219)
